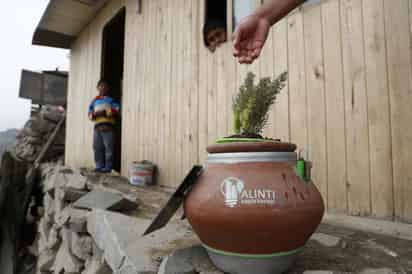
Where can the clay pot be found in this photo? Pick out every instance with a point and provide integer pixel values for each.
(249, 208)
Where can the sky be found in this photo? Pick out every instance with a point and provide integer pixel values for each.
(18, 20)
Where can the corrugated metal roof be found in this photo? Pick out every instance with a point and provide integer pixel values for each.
(63, 20)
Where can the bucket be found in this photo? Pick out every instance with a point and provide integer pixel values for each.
(142, 173)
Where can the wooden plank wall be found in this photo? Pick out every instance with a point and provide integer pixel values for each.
(85, 63)
(347, 103)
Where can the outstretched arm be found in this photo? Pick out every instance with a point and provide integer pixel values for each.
(251, 34)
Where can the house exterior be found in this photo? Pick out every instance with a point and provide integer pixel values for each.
(347, 103)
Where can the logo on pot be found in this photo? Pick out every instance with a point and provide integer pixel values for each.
(235, 192)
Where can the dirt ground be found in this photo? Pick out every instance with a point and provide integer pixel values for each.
(351, 251)
(355, 252)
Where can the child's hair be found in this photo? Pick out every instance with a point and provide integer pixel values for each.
(210, 25)
(103, 82)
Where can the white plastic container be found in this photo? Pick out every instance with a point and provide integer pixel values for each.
(142, 173)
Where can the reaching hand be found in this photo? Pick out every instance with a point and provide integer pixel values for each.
(249, 38)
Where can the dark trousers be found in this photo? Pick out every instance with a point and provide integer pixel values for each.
(103, 148)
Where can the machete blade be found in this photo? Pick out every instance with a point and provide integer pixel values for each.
(175, 201)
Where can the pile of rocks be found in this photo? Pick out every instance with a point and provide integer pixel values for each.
(17, 189)
(36, 132)
(91, 224)
(63, 244)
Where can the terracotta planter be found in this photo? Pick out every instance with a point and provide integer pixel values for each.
(250, 209)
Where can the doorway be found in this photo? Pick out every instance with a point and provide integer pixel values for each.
(112, 70)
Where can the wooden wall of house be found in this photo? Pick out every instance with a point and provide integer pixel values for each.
(85, 68)
(348, 102)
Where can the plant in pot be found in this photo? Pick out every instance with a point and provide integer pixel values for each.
(250, 209)
(251, 107)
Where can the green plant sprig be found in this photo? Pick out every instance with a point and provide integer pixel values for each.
(251, 106)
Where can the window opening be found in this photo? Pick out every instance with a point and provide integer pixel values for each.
(215, 27)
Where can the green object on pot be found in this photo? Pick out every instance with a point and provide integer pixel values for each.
(301, 169)
(240, 140)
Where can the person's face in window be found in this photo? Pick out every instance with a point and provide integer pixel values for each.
(215, 38)
(103, 89)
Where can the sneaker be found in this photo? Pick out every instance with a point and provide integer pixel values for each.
(98, 169)
(106, 170)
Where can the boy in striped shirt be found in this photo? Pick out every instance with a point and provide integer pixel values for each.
(104, 112)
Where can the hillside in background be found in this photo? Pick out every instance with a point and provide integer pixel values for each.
(7, 138)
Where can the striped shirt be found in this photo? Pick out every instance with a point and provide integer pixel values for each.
(106, 105)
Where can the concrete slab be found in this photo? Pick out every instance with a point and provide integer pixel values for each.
(72, 194)
(125, 250)
(98, 199)
(187, 261)
(388, 228)
(378, 271)
(318, 272)
(325, 239)
(379, 247)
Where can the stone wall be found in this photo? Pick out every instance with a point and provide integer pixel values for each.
(77, 222)
(63, 244)
(35, 134)
(94, 224)
(18, 190)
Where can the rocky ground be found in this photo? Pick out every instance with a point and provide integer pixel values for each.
(93, 224)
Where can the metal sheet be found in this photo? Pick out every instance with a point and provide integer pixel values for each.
(49, 87)
(54, 39)
(31, 86)
(175, 201)
(54, 88)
